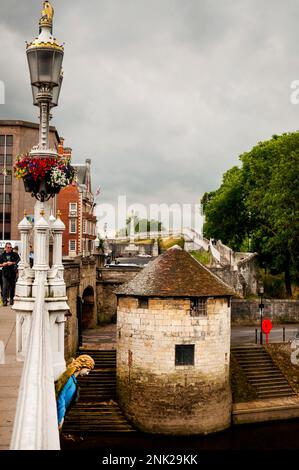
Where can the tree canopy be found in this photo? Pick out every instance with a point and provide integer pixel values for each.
(260, 201)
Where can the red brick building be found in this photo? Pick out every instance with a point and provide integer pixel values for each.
(76, 203)
(16, 137)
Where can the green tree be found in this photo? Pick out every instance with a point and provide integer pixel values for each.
(271, 176)
(226, 216)
(261, 200)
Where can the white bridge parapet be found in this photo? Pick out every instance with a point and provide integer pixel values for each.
(35, 425)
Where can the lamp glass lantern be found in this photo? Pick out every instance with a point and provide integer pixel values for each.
(44, 65)
(55, 93)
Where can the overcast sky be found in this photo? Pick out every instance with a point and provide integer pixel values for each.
(162, 95)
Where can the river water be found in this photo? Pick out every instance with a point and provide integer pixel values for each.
(280, 435)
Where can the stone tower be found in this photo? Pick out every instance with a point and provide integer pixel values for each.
(173, 347)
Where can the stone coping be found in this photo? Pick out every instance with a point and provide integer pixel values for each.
(266, 404)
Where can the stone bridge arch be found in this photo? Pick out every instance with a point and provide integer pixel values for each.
(89, 314)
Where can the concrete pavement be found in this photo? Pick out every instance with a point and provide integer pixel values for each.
(10, 375)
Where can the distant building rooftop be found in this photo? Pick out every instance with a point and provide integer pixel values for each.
(175, 273)
(28, 124)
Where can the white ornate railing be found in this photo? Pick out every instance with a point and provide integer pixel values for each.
(35, 426)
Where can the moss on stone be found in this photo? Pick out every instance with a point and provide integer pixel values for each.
(281, 356)
(242, 390)
(203, 257)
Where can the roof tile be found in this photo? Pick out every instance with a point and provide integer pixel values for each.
(175, 273)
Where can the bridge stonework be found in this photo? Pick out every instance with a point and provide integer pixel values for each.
(108, 280)
(90, 292)
(80, 278)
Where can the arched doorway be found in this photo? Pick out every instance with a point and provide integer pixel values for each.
(88, 305)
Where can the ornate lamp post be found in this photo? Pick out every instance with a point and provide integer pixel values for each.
(45, 58)
(40, 300)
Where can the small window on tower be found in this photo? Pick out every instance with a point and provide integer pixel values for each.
(143, 302)
(198, 306)
(184, 354)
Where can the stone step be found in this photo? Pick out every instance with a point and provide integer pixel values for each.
(270, 373)
(267, 381)
(100, 387)
(255, 364)
(257, 353)
(278, 387)
(262, 373)
(265, 362)
(96, 429)
(275, 393)
(252, 369)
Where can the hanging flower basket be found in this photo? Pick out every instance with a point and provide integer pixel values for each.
(31, 186)
(53, 189)
(55, 172)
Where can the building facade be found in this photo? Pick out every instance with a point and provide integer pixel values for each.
(173, 347)
(76, 203)
(16, 137)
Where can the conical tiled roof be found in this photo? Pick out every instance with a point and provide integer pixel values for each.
(175, 273)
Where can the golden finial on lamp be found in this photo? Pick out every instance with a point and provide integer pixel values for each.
(47, 15)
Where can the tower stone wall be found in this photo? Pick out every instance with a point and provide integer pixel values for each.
(159, 396)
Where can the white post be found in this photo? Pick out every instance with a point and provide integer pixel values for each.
(58, 228)
(23, 291)
(57, 291)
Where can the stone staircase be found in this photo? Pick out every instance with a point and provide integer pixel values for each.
(262, 373)
(96, 410)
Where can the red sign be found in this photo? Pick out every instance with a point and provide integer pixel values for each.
(266, 327)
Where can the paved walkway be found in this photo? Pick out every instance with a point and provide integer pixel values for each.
(104, 336)
(101, 337)
(10, 375)
(246, 334)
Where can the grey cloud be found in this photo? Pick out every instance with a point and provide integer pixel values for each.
(163, 95)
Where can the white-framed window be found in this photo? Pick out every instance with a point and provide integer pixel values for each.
(73, 209)
(72, 245)
(73, 206)
(84, 225)
(73, 226)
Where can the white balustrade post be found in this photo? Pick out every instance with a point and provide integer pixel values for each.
(24, 283)
(58, 228)
(57, 298)
(23, 292)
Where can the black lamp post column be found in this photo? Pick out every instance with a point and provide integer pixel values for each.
(261, 307)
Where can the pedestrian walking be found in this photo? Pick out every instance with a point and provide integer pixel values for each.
(31, 256)
(8, 262)
(16, 250)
